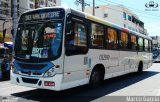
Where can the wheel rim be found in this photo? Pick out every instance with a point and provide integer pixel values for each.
(95, 77)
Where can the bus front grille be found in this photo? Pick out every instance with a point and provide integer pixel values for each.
(31, 81)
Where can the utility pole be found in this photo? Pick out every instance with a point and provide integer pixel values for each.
(4, 30)
(36, 4)
(93, 7)
(0, 5)
(83, 4)
(14, 18)
(46, 3)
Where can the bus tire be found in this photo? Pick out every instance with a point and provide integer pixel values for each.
(96, 78)
(140, 67)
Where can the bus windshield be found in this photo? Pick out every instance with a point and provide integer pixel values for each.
(40, 40)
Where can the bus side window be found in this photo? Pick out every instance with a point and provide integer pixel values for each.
(70, 38)
(140, 44)
(97, 35)
(146, 45)
(111, 39)
(133, 42)
(76, 40)
(124, 42)
(150, 46)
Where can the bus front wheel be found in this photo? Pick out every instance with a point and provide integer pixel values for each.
(96, 78)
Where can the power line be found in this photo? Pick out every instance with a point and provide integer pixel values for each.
(131, 8)
(149, 16)
(140, 12)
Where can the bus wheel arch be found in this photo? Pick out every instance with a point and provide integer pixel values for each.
(97, 76)
(140, 67)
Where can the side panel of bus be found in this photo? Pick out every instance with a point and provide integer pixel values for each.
(128, 60)
(76, 71)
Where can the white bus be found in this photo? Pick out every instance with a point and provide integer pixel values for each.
(61, 48)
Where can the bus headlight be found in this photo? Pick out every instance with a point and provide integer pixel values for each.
(14, 70)
(49, 73)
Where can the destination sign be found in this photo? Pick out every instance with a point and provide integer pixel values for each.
(45, 14)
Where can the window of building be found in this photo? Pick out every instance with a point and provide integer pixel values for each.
(54, 1)
(124, 40)
(124, 25)
(105, 15)
(5, 12)
(129, 18)
(4, 4)
(124, 15)
(111, 39)
(133, 43)
(31, 6)
(140, 44)
(97, 35)
(41, 2)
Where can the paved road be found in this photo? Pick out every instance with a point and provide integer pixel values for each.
(140, 85)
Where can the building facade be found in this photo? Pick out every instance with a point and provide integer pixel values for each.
(155, 41)
(6, 12)
(33, 4)
(5, 8)
(120, 15)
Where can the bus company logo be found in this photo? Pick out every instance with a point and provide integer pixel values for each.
(151, 6)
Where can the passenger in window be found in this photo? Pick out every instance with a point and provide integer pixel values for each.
(51, 40)
(70, 38)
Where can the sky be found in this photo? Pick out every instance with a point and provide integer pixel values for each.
(150, 18)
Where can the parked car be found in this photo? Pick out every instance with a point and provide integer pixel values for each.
(156, 55)
(5, 59)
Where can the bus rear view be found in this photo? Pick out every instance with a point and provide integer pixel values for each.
(39, 42)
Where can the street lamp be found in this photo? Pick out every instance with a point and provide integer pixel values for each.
(4, 30)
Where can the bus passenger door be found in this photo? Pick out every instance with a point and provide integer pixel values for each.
(76, 57)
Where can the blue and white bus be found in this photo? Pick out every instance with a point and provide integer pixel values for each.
(156, 54)
(60, 48)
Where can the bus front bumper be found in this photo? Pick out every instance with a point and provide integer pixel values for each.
(51, 83)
